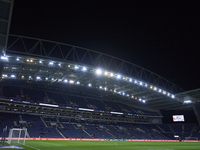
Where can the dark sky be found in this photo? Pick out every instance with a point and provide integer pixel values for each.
(161, 36)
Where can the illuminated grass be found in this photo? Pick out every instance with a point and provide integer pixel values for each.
(109, 145)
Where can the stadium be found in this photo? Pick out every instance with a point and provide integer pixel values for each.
(60, 96)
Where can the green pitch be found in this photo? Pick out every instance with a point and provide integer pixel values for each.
(109, 145)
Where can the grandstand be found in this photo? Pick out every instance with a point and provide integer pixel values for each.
(57, 90)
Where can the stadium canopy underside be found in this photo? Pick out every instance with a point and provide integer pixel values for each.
(42, 62)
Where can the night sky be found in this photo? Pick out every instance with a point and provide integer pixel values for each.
(161, 36)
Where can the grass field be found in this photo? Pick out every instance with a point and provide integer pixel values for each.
(109, 145)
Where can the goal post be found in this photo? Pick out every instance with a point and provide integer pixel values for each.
(17, 135)
(195, 139)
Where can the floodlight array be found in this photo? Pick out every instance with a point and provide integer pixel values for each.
(98, 72)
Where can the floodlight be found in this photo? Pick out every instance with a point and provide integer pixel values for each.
(17, 59)
(146, 85)
(123, 93)
(141, 83)
(69, 66)
(172, 96)
(46, 78)
(159, 90)
(100, 87)
(151, 87)
(164, 92)
(111, 74)
(105, 88)
(98, 71)
(31, 60)
(89, 84)
(187, 101)
(4, 58)
(65, 80)
(38, 78)
(59, 64)
(140, 99)
(12, 76)
(50, 63)
(29, 77)
(78, 82)
(84, 69)
(118, 76)
(127, 95)
(5, 75)
(105, 73)
(143, 101)
(155, 88)
(130, 80)
(76, 67)
(168, 94)
(132, 96)
(28, 60)
(71, 81)
(22, 77)
(40, 62)
(135, 81)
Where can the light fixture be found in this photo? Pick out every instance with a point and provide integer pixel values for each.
(12, 76)
(76, 67)
(89, 84)
(105, 73)
(84, 69)
(187, 101)
(98, 71)
(111, 74)
(4, 58)
(65, 80)
(130, 80)
(71, 81)
(118, 76)
(172, 96)
(78, 82)
(50, 63)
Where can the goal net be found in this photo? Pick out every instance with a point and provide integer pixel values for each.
(194, 139)
(17, 135)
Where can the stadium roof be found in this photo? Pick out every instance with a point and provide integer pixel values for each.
(37, 59)
(114, 78)
(6, 7)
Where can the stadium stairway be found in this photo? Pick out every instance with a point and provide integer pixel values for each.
(57, 129)
(87, 133)
(43, 122)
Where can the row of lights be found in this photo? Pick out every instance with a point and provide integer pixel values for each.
(101, 72)
(140, 83)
